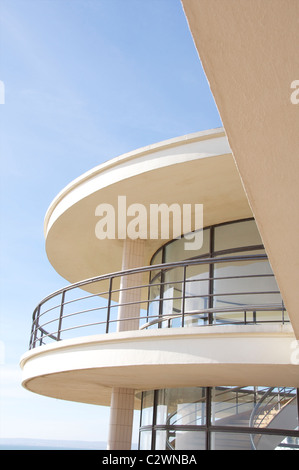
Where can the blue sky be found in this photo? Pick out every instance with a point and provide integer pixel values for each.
(85, 81)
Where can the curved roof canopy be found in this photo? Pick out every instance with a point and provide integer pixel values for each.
(193, 169)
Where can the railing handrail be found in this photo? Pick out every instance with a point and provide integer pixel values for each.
(162, 266)
(171, 316)
(38, 328)
(243, 308)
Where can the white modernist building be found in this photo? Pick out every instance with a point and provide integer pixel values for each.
(199, 331)
(198, 338)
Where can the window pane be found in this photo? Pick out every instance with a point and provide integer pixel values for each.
(154, 297)
(236, 235)
(277, 409)
(181, 406)
(246, 283)
(162, 441)
(176, 250)
(233, 406)
(255, 407)
(196, 294)
(147, 408)
(230, 441)
(145, 442)
(281, 442)
(180, 440)
(157, 258)
(244, 441)
(172, 294)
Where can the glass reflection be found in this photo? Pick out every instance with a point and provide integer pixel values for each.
(236, 235)
(181, 406)
(197, 295)
(147, 408)
(175, 250)
(202, 417)
(239, 290)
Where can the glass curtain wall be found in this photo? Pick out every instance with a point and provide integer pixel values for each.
(220, 418)
(228, 280)
(216, 291)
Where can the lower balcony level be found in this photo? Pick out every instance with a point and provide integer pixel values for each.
(86, 369)
(181, 328)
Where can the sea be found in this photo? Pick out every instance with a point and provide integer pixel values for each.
(43, 444)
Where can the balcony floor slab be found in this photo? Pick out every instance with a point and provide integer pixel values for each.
(85, 369)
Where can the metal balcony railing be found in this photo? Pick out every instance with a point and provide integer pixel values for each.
(198, 292)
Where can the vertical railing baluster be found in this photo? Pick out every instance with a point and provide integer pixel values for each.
(60, 315)
(162, 289)
(208, 312)
(32, 330)
(211, 315)
(183, 297)
(109, 304)
(36, 326)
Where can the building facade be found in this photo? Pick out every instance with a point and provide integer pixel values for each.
(172, 308)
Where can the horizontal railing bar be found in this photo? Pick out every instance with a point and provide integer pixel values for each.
(44, 332)
(104, 307)
(190, 281)
(49, 309)
(242, 308)
(216, 254)
(225, 429)
(177, 286)
(146, 325)
(143, 269)
(170, 283)
(203, 279)
(247, 308)
(94, 324)
(78, 299)
(79, 312)
(224, 294)
(161, 319)
(220, 310)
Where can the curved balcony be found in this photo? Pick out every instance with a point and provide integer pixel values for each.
(228, 327)
(185, 295)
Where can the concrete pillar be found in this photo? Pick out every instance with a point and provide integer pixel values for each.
(122, 399)
(133, 257)
(121, 419)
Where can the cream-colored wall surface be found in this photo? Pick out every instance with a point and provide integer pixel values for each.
(249, 51)
(194, 169)
(164, 154)
(86, 369)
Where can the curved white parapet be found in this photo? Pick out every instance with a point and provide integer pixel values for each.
(194, 169)
(175, 151)
(86, 369)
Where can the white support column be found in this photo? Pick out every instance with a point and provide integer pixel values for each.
(122, 399)
(121, 419)
(133, 257)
